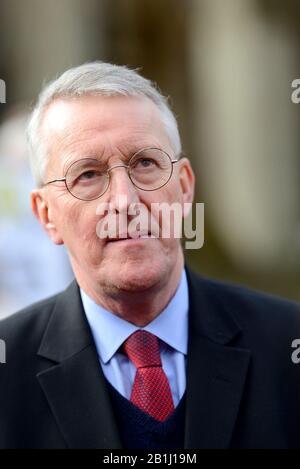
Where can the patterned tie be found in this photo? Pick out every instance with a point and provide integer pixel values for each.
(151, 389)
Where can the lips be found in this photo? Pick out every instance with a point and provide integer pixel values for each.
(135, 235)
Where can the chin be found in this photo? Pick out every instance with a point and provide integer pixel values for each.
(138, 277)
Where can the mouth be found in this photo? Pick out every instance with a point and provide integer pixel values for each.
(137, 236)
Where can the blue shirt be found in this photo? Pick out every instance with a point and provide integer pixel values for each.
(171, 326)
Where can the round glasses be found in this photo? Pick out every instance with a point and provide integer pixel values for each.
(149, 169)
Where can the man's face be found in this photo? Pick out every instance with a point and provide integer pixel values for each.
(110, 129)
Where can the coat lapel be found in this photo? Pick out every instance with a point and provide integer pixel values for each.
(216, 371)
(74, 384)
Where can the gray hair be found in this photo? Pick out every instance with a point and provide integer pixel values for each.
(95, 78)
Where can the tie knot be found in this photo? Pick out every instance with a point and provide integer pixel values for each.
(142, 348)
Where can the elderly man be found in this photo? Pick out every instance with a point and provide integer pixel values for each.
(138, 352)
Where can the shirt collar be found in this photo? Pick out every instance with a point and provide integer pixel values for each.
(110, 331)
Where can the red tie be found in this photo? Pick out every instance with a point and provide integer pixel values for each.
(151, 389)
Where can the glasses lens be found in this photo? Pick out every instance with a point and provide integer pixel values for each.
(86, 179)
(150, 169)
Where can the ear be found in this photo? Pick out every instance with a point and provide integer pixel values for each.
(40, 208)
(187, 184)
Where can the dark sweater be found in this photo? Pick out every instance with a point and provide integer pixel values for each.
(140, 430)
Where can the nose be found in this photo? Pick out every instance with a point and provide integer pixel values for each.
(122, 192)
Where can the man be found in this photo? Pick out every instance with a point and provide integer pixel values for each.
(138, 352)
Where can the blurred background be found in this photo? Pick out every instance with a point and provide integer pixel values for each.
(228, 67)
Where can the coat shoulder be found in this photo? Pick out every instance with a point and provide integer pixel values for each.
(249, 307)
(28, 323)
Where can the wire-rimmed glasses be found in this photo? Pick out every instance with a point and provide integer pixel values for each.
(87, 179)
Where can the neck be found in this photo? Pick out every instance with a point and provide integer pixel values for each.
(138, 307)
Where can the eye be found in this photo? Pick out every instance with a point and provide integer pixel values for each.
(87, 175)
(90, 176)
(145, 163)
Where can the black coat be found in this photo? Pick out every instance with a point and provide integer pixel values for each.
(243, 390)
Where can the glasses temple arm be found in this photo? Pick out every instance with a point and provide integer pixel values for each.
(54, 180)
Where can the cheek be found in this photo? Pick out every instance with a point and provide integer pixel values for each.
(76, 222)
(166, 206)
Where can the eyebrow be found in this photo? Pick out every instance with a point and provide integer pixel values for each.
(130, 151)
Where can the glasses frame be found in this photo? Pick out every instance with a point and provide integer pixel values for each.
(108, 171)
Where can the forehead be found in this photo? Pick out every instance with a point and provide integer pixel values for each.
(92, 124)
